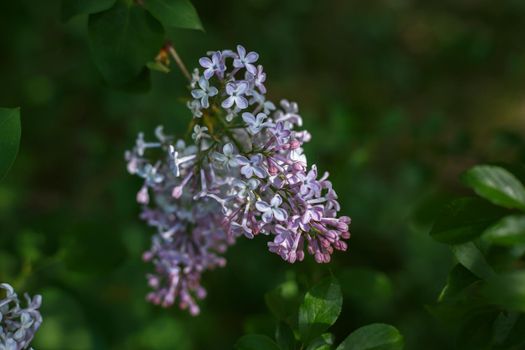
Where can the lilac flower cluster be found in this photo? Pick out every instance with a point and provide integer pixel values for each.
(244, 174)
(17, 325)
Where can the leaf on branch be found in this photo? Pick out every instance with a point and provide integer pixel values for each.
(175, 13)
(464, 219)
(320, 309)
(72, 8)
(122, 40)
(376, 336)
(496, 185)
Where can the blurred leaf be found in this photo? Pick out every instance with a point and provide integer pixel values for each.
(282, 301)
(458, 279)
(373, 337)
(175, 13)
(472, 258)
(464, 219)
(71, 8)
(157, 67)
(497, 185)
(508, 231)
(320, 308)
(285, 337)
(10, 131)
(65, 325)
(323, 342)
(375, 288)
(256, 342)
(122, 40)
(503, 325)
(507, 290)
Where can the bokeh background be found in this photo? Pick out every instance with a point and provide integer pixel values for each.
(400, 96)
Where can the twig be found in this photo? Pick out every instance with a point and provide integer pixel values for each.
(179, 62)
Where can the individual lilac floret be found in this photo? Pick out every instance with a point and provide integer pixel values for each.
(213, 66)
(244, 174)
(244, 60)
(255, 123)
(18, 325)
(235, 94)
(204, 93)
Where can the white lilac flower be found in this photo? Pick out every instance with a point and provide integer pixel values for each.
(18, 325)
(199, 132)
(195, 107)
(235, 94)
(249, 177)
(256, 123)
(204, 93)
(244, 60)
(227, 157)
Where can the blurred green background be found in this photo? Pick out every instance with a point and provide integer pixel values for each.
(400, 96)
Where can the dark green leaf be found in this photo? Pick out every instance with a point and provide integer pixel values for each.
(465, 219)
(324, 342)
(508, 231)
(256, 342)
(123, 39)
(283, 301)
(10, 131)
(285, 337)
(458, 279)
(507, 290)
(472, 258)
(71, 8)
(497, 185)
(373, 337)
(175, 13)
(320, 308)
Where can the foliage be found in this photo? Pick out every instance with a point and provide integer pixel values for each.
(485, 294)
(307, 327)
(400, 98)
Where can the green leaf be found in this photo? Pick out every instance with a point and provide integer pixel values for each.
(71, 8)
(285, 337)
(10, 131)
(472, 258)
(458, 279)
(497, 185)
(320, 308)
(256, 342)
(507, 290)
(376, 336)
(175, 13)
(324, 342)
(464, 219)
(122, 40)
(283, 301)
(508, 231)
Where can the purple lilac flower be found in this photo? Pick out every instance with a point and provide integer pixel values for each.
(204, 93)
(246, 60)
(235, 94)
(215, 65)
(272, 210)
(251, 166)
(255, 123)
(18, 325)
(236, 179)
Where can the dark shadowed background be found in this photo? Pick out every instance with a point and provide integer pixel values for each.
(400, 96)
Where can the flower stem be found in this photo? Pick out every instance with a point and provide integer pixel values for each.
(178, 60)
